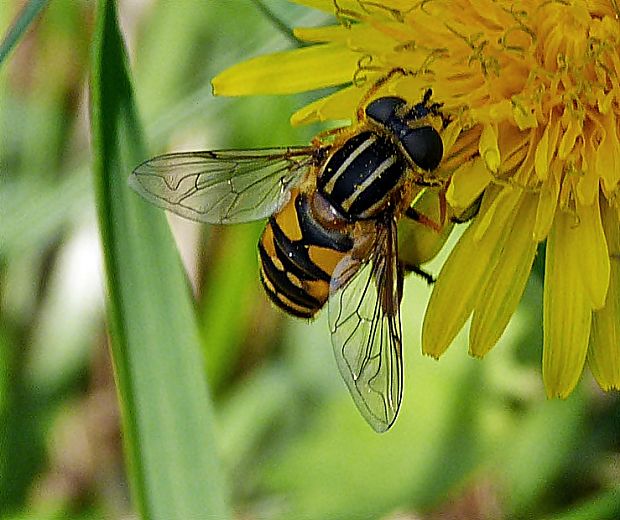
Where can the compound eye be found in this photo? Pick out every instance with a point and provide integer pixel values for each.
(424, 146)
(382, 109)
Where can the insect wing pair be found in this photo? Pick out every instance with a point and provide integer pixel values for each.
(234, 186)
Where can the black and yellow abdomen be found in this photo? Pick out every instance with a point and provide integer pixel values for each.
(298, 256)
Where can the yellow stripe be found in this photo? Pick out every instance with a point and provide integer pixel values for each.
(346, 205)
(354, 155)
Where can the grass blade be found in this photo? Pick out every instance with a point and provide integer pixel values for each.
(167, 416)
(24, 19)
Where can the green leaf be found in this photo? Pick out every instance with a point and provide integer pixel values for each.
(232, 290)
(541, 450)
(24, 19)
(167, 414)
(604, 506)
(277, 23)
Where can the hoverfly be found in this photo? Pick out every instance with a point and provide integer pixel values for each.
(331, 234)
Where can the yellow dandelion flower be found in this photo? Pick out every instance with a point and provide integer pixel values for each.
(533, 89)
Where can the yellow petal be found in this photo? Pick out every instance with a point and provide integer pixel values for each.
(607, 162)
(504, 205)
(449, 136)
(547, 204)
(567, 143)
(458, 284)
(588, 185)
(468, 182)
(460, 147)
(587, 188)
(588, 238)
(329, 33)
(499, 111)
(340, 105)
(359, 37)
(506, 281)
(604, 352)
(489, 149)
(360, 8)
(541, 162)
(604, 101)
(546, 148)
(567, 311)
(299, 70)
(524, 116)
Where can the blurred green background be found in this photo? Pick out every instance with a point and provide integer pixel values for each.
(474, 440)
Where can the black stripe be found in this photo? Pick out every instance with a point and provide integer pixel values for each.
(294, 256)
(333, 164)
(283, 284)
(363, 167)
(364, 164)
(378, 190)
(294, 311)
(315, 234)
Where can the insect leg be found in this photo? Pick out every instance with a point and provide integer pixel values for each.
(443, 207)
(376, 86)
(416, 269)
(416, 216)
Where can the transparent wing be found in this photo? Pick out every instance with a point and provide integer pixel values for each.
(223, 187)
(364, 318)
